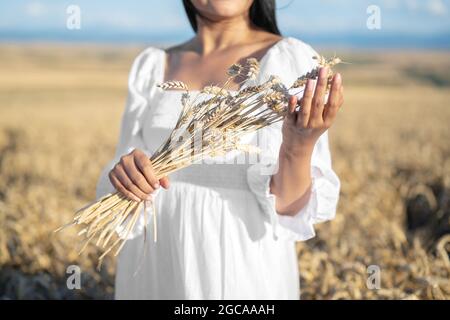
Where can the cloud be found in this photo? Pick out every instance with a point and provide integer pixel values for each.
(137, 21)
(437, 7)
(434, 7)
(35, 9)
(412, 4)
(391, 4)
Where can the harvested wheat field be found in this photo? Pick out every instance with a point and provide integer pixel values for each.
(60, 109)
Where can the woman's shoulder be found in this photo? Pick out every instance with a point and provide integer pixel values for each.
(296, 46)
(298, 54)
(146, 66)
(148, 57)
(288, 59)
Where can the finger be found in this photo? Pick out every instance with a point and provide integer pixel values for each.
(121, 188)
(305, 109)
(292, 104)
(333, 102)
(164, 182)
(341, 91)
(135, 175)
(144, 165)
(318, 99)
(124, 178)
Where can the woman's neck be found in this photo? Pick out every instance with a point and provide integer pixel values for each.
(217, 35)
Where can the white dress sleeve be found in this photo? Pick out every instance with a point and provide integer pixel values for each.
(291, 60)
(141, 85)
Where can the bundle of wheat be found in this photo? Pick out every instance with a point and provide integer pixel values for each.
(218, 122)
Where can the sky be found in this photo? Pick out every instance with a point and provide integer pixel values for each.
(402, 22)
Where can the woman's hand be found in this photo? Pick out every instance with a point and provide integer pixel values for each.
(135, 178)
(291, 184)
(302, 129)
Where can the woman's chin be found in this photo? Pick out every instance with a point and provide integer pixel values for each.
(217, 10)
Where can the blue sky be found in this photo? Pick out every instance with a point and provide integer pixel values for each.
(156, 20)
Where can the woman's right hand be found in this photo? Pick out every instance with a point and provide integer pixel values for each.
(134, 177)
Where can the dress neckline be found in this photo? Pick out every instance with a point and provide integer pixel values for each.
(164, 62)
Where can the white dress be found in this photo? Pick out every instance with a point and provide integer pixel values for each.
(219, 236)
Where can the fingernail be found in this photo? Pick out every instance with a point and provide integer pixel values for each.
(323, 72)
(156, 185)
(150, 197)
(135, 198)
(338, 77)
(309, 85)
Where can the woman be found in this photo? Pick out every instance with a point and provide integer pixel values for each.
(225, 230)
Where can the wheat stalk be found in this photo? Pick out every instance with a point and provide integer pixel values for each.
(220, 120)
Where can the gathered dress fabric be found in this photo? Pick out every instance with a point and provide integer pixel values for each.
(219, 235)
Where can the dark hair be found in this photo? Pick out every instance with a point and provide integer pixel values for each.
(262, 14)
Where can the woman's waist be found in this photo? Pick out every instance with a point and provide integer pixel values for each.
(214, 175)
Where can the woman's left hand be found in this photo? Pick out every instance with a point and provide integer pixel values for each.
(302, 129)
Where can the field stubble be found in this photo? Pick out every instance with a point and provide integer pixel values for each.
(60, 111)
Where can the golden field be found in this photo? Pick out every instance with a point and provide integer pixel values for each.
(60, 109)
